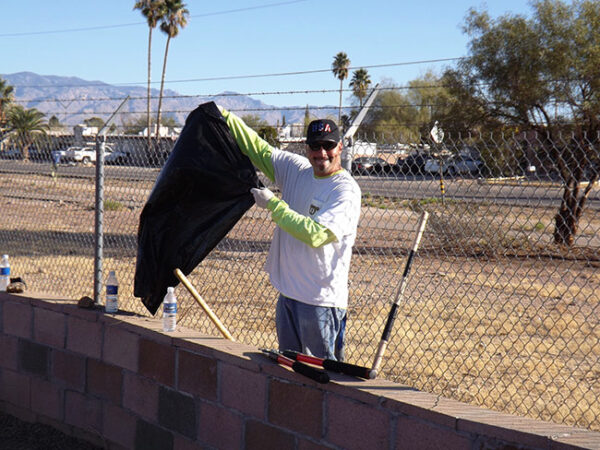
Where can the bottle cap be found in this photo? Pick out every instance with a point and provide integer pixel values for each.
(112, 272)
(170, 289)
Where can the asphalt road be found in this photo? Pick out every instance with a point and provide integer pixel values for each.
(506, 192)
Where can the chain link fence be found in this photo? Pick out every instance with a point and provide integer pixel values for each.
(498, 311)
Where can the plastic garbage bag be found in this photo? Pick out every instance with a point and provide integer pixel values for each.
(200, 194)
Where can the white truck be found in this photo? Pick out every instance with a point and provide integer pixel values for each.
(84, 155)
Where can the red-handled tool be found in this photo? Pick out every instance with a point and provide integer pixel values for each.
(320, 376)
(330, 364)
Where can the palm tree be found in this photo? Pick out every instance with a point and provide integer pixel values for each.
(153, 11)
(360, 84)
(24, 127)
(339, 67)
(175, 17)
(6, 98)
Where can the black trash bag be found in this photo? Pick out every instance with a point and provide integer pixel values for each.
(200, 194)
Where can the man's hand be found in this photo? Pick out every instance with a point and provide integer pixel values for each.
(261, 196)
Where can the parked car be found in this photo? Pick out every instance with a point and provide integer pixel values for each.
(58, 156)
(118, 157)
(71, 153)
(462, 164)
(39, 154)
(454, 165)
(411, 165)
(432, 166)
(84, 155)
(11, 153)
(367, 165)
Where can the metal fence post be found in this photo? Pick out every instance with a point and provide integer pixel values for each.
(99, 218)
(99, 205)
(437, 135)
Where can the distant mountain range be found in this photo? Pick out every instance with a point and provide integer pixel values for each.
(73, 99)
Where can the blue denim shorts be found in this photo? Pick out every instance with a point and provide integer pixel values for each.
(313, 330)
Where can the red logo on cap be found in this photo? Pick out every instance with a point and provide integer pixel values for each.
(327, 128)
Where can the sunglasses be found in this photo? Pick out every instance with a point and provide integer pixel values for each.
(325, 145)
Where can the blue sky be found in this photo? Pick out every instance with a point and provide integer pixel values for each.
(107, 41)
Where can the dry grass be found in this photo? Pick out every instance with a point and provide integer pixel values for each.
(493, 314)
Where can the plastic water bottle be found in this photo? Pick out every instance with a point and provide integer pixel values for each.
(4, 273)
(170, 310)
(112, 293)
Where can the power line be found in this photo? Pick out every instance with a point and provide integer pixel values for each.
(123, 25)
(222, 94)
(70, 30)
(273, 108)
(238, 77)
(304, 72)
(181, 96)
(246, 94)
(246, 110)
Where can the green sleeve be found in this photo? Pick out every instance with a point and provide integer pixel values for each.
(301, 227)
(251, 144)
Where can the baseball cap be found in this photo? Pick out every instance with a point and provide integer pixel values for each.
(321, 130)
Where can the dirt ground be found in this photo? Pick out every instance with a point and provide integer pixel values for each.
(492, 314)
(16, 434)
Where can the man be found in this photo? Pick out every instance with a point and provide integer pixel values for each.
(316, 219)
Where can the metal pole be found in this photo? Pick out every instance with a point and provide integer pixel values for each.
(442, 188)
(348, 137)
(437, 136)
(99, 205)
(99, 219)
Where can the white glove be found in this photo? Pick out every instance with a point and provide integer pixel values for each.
(261, 196)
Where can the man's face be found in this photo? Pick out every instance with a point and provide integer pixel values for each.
(325, 157)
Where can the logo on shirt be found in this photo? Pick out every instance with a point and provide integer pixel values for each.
(313, 209)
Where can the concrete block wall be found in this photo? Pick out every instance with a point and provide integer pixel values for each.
(119, 382)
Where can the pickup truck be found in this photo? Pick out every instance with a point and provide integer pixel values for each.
(84, 155)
